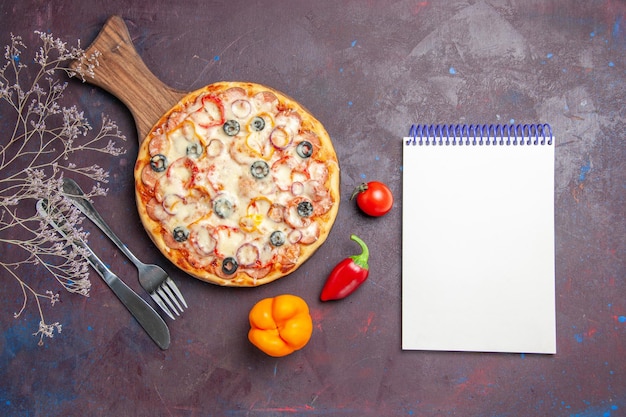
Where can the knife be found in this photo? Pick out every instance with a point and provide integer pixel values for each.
(145, 315)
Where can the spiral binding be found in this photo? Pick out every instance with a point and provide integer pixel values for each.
(479, 135)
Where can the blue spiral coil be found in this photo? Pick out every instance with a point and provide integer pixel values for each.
(480, 135)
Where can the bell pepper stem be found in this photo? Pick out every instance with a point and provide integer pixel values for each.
(361, 260)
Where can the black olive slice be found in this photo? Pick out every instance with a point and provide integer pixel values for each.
(231, 127)
(305, 209)
(257, 124)
(229, 265)
(222, 207)
(304, 149)
(158, 163)
(180, 234)
(277, 238)
(194, 150)
(259, 169)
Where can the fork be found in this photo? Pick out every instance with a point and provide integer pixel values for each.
(145, 315)
(152, 278)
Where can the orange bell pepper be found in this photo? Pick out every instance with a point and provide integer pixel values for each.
(280, 325)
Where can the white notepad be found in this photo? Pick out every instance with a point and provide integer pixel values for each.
(478, 239)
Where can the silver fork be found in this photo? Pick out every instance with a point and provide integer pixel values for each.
(145, 315)
(152, 278)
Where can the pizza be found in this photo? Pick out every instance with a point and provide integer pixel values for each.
(238, 184)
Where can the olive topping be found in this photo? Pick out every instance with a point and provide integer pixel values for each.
(181, 234)
(259, 169)
(158, 163)
(223, 207)
(229, 265)
(304, 149)
(257, 124)
(305, 209)
(277, 238)
(194, 150)
(231, 127)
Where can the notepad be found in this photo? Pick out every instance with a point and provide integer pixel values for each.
(478, 263)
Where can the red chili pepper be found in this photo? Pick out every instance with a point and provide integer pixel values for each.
(348, 275)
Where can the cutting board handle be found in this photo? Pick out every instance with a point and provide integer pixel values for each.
(122, 72)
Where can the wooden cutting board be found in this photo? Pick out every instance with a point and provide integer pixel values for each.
(122, 72)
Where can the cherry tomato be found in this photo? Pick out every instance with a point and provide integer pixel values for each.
(374, 198)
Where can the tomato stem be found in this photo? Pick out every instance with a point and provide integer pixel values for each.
(362, 187)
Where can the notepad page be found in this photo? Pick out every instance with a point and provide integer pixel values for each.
(478, 248)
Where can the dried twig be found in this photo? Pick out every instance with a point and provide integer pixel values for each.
(41, 141)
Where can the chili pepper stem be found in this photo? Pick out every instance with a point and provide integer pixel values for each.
(362, 187)
(361, 260)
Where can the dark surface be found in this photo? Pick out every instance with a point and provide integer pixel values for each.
(367, 70)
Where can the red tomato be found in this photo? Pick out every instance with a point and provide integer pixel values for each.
(374, 198)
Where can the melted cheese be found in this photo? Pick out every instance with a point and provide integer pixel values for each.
(194, 181)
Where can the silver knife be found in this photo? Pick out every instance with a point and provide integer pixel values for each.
(149, 319)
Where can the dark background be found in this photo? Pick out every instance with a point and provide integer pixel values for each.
(367, 70)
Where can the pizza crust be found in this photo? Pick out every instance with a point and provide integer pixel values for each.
(232, 204)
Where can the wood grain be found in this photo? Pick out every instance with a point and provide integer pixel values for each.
(122, 72)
